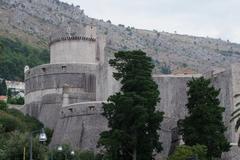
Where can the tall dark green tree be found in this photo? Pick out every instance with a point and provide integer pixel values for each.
(132, 117)
(3, 88)
(204, 124)
(236, 118)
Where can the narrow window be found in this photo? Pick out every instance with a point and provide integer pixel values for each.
(44, 70)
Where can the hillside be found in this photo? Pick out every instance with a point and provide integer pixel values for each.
(33, 21)
(15, 54)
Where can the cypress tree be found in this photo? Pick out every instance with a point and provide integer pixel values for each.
(204, 124)
(132, 117)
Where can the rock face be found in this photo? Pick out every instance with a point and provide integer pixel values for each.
(35, 20)
(68, 97)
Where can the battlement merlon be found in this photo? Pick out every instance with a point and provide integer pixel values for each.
(86, 33)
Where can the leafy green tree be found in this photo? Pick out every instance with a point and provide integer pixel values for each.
(236, 116)
(20, 100)
(10, 123)
(204, 124)
(132, 117)
(15, 54)
(15, 100)
(184, 152)
(3, 106)
(14, 135)
(13, 147)
(3, 88)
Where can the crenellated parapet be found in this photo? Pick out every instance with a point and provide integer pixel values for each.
(86, 33)
(75, 45)
(69, 38)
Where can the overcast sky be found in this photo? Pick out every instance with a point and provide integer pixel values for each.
(213, 18)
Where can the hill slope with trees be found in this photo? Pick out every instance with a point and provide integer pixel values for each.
(33, 21)
(15, 54)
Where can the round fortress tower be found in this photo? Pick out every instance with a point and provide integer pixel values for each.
(74, 45)
(71, 77)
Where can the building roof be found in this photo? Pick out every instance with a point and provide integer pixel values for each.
(3, 98)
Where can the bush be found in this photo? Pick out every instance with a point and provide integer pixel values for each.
(30, 123)
(66, 153)
(10, 123)
(14, 144)
(3, 105)
(20, 100)
(86, 155)
(14, 135)
(16, 100)
(184, 152)
(165, 69)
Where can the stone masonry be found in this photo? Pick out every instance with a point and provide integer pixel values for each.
(67, 94)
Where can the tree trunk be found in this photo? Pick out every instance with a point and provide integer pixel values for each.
(135, 154)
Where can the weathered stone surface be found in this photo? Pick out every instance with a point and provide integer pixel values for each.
(67, 97)
(80, 125)
(173, 94)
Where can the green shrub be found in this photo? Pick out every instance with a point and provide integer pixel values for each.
(15, 128)
(14, 145)
(16, 100)
(10, 123)
(30, 123)
(86, 155)
(165, 69)
(66, 154)
(184, 152)
(3, 105)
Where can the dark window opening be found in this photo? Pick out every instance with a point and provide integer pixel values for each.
(91, 107)
(64, 68)
(44, 70)
(70, 109)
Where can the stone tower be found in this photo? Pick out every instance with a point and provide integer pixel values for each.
(74, 46)
(67, 94)
(67, 86)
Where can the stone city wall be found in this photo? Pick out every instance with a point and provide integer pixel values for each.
(80, 125)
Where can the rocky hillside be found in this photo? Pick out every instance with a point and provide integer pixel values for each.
(34, 20)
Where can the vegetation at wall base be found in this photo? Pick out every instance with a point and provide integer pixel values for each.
(18, 100)
(184, 152)
(132, 117)
(66, 154)
(204, 124)
(15, 128)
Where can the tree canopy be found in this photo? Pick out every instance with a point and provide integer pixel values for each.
(204, 124)
(132, 117)
(14, 134)
(15, 54)
(3, 88)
